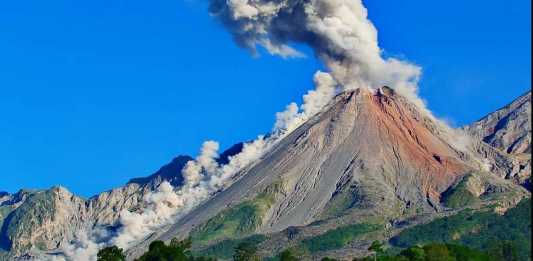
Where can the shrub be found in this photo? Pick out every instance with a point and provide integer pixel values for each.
(111, 253)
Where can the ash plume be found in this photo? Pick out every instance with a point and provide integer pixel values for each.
(338, 31)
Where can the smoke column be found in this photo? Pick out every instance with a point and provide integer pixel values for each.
(338, 31)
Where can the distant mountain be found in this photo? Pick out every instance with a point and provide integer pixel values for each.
(170, 172)
(366, 168)
(507, 129)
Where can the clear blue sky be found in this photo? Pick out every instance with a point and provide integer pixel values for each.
(96, 92)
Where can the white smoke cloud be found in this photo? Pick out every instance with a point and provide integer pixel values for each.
(338, 31)
(314, 102)
(204, 163)
(85, 247)
(203, 177)
(281, 50)
(160, 209)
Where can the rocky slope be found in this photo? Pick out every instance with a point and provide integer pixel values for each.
(40, 221)
(370, 158)
(508, 130)
(33, 222)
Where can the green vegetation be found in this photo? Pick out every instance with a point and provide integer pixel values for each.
(433, 252)
(339, 203)
(288, 255)
(337, 238)
(246, 251)
(377, 248)
(460, 196)
(157, 251)
(225, 249)
(237, 221)
(503, 235)
(466, 236)
(111, 253)
(37, 209)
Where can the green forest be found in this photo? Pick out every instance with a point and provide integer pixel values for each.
(466, 236)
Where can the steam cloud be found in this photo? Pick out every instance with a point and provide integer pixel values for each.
(338, 31)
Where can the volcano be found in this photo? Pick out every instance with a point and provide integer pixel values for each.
(369, 155)
(370, 164)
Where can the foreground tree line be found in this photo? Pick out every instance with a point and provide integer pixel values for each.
(178, 250)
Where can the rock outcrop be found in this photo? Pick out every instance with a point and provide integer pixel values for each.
(369, 159)
(504, 140)
(507, 129)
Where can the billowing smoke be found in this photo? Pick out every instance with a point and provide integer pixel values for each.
(84, 248)
(314, 101)
(203, 177)
(338, 31)
(160, 209)
(204, 163)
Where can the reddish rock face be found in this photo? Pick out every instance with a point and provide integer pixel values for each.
(417, 141)
(398, 134)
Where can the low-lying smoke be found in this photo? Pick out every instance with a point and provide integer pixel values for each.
(202, 178)
(160, 208)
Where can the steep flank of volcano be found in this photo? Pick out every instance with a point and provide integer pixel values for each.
(367, 154)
